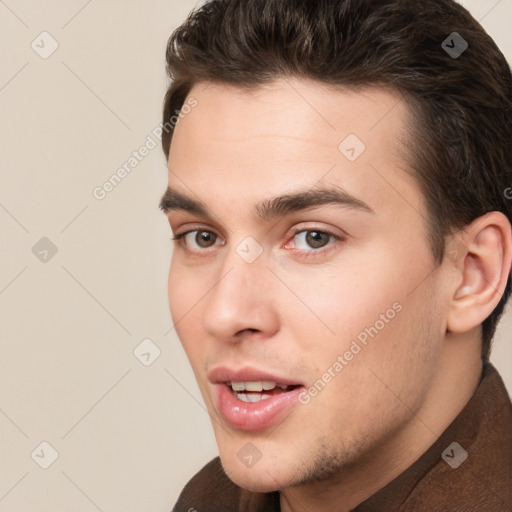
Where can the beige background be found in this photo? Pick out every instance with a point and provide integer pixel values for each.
(128, 436)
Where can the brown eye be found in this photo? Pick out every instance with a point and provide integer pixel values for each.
(311, 243)
(197, 239)
(317, 239)
(204, 239)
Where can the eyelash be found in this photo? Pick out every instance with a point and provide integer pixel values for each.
(306, 254)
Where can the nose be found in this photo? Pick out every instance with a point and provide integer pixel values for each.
(241, 301)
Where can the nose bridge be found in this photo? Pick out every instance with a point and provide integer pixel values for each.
(244, 268)
(239, 281)
(239, 298)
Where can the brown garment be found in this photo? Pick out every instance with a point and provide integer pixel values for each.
(481, 483)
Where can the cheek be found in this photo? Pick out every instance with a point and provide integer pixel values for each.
(396, 362)
(184, 291)
(335, 304)
(173, 288)
(184, 296)
(363, 311)
(361, 395)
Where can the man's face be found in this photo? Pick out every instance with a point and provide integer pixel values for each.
(341, 298)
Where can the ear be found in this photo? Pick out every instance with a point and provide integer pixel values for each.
(482, 255)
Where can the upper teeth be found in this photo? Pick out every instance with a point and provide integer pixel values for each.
(256, 385)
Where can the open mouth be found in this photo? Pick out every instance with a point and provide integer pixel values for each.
(250, 399)
(256, 391)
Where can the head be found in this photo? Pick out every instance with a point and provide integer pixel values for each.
(348, 182)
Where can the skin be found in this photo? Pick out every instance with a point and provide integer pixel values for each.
(293, 315)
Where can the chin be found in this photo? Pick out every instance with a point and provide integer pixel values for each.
(259, 478)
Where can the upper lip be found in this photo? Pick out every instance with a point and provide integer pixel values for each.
(223, 374)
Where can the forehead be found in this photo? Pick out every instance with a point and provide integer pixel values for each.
(297, 107)
(242, 145)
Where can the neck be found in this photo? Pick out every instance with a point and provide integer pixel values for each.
(452, 386)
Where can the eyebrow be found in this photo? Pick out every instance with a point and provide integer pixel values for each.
(275, 207)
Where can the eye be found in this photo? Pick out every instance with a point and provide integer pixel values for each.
(312, 240)
(198, 239)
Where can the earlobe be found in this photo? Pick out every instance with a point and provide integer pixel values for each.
(484, 270)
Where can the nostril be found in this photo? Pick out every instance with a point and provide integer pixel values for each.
(239, 333)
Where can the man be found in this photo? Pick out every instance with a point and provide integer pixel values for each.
(340, 203)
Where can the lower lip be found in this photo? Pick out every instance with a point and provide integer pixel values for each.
(254, 415)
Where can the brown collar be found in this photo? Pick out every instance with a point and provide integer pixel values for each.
(440, 480)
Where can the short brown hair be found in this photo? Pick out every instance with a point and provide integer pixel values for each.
(461, 150)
